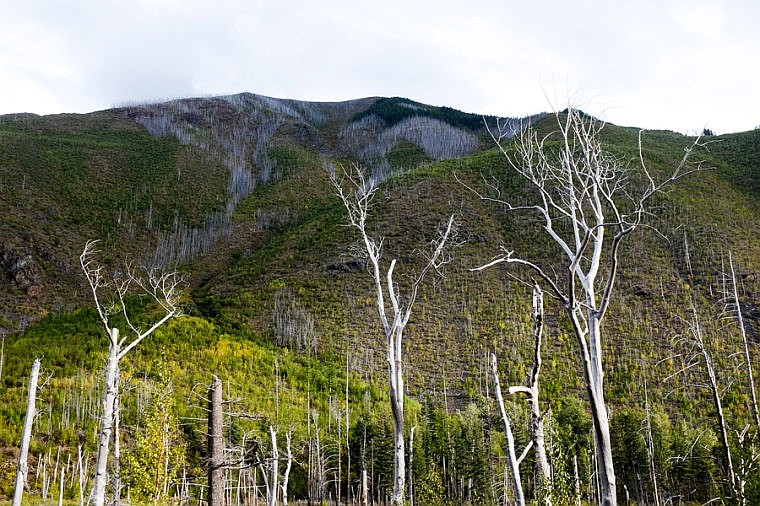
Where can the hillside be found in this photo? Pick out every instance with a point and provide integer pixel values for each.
(232, 192)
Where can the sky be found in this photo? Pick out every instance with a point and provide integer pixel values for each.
(662, 64)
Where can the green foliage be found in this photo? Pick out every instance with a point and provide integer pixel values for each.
(394, 110)
(156, 456)
(627, 428)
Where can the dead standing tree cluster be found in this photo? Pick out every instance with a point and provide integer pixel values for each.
(588, 201)
(164, 289)
(356, 192)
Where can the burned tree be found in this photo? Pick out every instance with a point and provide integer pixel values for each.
(356, 192)
(588, 202)
(164, 289)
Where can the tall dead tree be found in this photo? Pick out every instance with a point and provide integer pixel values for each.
(356, 191)
(26, 435)
(699, 349)
(588, 202)
(735, 305)
(164, 289)
(215, 444)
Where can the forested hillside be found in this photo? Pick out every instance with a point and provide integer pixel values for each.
(233, 193)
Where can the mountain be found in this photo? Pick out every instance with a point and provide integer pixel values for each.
(122, 176)
(233, 192)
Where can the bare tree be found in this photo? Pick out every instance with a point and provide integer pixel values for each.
(215, 444)
(165, 290)
(356, 192)
(698, 351)
(513, 461)
(26, 436)
(288, 466)
(747, 440)
(543, 474)
(273, 486)
(587, 202)
(734, 304)
(650, 447)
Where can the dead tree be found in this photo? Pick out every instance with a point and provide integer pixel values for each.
(356, 192)
(587, 204)
(734, 305)
(513, 461)
(650, 447)
(26, 435)
(697, 353)
(273, 487)
(542, 470)
(2, 351)
(164, 289)
(288, 466)
(215, 444)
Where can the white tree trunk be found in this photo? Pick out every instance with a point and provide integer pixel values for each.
(542, 469)
(215, 444)
(512, 460)
(26, 436)
(365, 488)
(272, 499)
(2, 353)
(116, 500)
(286, 475)
(396, 390)
(411, 465)
(60, 486)
(600, 415)
(106, 420)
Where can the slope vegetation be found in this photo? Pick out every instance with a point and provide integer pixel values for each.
(233, 192)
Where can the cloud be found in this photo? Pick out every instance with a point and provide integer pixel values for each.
(650, 63)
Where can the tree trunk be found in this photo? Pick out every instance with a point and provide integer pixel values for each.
(411, 465)
(106, 420)
(543, 472)
(730, 474)
(577, 480)
(348, 443)
(365, 488)
(747, 357)
(396, 391)
(604, 451)
(650, 448)
(274, 469)
(594, 376)
(512, 463)
(60, 487)
(286, 476)
(21, 471)
(215, 444)
(2, 354)
(117, 443)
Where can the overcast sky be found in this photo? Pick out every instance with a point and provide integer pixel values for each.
(678, 65)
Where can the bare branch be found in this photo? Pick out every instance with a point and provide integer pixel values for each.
(588, 203)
